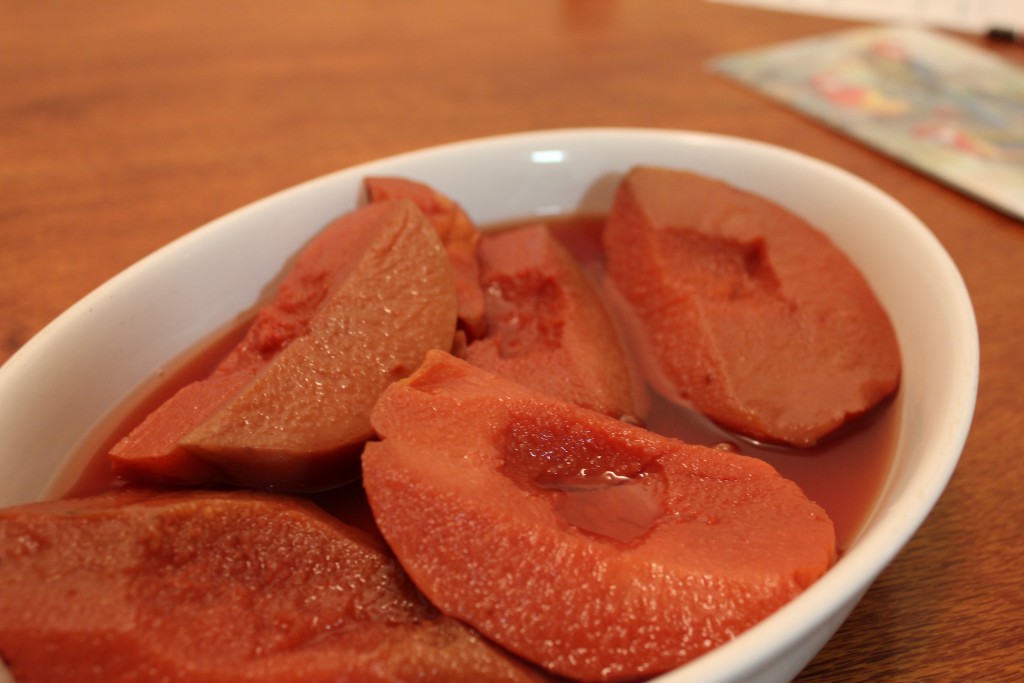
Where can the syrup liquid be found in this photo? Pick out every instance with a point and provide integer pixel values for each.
(88, 471)
(607, 504)
(843, 474)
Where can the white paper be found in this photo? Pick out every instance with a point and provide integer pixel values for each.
(971, 16)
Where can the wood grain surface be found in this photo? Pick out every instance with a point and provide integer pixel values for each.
(126, 124)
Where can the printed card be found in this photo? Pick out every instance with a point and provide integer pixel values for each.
(949, 109)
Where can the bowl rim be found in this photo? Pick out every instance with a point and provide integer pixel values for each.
(841, 587)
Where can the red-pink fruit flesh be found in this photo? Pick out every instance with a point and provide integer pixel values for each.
(589, 546)
(289, 407)
(546, 326)
(744, 311)
(458, 233)
(217, 588)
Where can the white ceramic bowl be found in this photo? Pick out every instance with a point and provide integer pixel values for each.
(63, 384)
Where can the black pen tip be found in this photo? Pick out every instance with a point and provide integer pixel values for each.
(1003, 34)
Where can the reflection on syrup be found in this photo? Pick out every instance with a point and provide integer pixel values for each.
(597, 482)
(604, 503)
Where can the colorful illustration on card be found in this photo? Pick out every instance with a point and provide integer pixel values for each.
(947, 108)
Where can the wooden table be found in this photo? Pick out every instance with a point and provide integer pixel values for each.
(124, 125)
